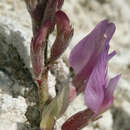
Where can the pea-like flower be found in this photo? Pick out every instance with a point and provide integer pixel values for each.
(89, 60)
(99, 90)
(85, 54)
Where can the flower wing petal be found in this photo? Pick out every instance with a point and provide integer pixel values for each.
(108, 93)
(94, 92)
(111, 87)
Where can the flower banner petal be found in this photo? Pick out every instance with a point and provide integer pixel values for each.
(89, 47)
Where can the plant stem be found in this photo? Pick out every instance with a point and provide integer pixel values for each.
(46, 52)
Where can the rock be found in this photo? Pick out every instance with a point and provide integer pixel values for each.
(106, 122)
(16, 81)
(12, 112)
(84, 14)
(121, 116)
(60, 70)
(51, 84)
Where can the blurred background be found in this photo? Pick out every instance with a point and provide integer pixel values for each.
(84, 15)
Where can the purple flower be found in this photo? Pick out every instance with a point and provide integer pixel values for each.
(89, 60)
(99, 91)
(85, 54)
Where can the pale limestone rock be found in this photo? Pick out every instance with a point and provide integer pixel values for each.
(12, 112)
(106, 122)
(60, 70)
(84, 14)
(51, 84)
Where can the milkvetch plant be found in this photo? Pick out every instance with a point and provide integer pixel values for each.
(89, 59)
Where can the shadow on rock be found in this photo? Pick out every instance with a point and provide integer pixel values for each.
(15, 78)
(22, 126)
(121, 119)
